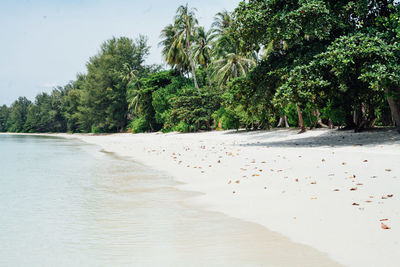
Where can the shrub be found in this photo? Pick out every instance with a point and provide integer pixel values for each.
(138, 125)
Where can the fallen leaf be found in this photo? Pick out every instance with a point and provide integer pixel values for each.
(313, 182)
(388, 170)
(384, 220)
(389, 195)
(384, 226)
(323, 160)
(359, 184)
(384, 197)
(234, 192)
(353, 189)
(297, 180)
(237, 181)
(344, 163)
(365, 161)
(229, 182)
(336, 190)
(356, 204)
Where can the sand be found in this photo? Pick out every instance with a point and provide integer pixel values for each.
(332, 190)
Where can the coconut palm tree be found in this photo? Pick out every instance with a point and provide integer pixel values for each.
(186, 21)
(177, 41)
(230, 61)
(128, 73)
(222, 22)
(202, 49)
(134, 96)
(232, 66)
(174, 56)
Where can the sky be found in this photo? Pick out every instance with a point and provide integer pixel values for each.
(45, 43)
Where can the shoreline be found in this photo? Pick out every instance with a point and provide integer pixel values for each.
(325, 188)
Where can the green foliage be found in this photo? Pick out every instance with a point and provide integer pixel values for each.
(163, 96)
(4, 113)
(182, 127)
(195, 108)
(148, 97)
(46, 113)
(17, 116)
(95, 130)
(228, 118)
(104, 98)
(335, 114)
(139, 125)
(324, 52)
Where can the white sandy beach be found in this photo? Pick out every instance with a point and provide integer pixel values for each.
(328, 189)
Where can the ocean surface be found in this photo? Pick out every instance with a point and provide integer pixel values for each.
(67, 203)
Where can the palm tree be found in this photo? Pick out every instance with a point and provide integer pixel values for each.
(186, 21)
(177, 41)
(174, 56)
(128, 73)
(222, 22)
(133, 96)
(231, 61)
(202, 49)
(232, 66)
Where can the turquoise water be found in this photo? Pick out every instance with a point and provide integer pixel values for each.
(65, 203)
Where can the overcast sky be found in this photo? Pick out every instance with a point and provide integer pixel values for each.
(45, 43)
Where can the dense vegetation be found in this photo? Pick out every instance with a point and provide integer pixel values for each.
(306, 63)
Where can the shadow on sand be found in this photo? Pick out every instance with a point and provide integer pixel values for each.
(319, 138)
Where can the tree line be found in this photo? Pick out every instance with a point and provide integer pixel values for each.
(314, 63)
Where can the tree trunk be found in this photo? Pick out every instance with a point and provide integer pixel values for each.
(208, 77)
(192, 65)
(330, 124)
(282, 120)
(361, 118)
(235, 71)
(286, 121)
(394, 108)
(301, 122)
(319, 120)
(208, 125)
